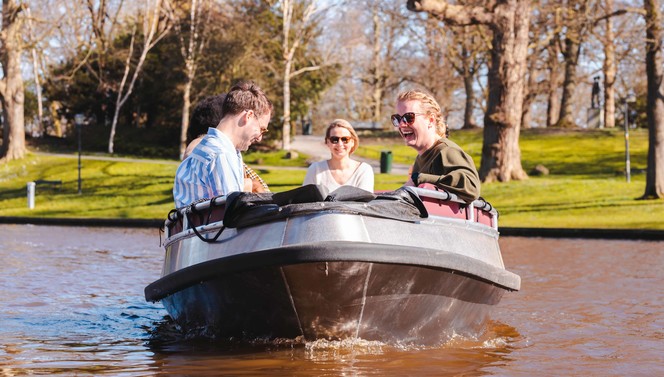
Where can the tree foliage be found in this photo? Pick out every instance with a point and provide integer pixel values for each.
(238, 48)
(351, 63)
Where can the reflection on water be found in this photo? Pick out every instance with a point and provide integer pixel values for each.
(72, 304)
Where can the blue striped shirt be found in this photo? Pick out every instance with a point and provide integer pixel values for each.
(213, 168)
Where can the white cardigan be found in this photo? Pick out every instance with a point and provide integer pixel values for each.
(319, 174)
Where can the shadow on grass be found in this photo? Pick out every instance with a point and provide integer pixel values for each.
(567, 206)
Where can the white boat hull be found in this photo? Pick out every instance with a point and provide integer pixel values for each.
(335, 274)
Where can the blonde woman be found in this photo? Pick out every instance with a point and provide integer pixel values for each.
(340, 169)
(439, 160)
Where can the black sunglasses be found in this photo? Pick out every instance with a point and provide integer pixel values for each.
(408, 118)
(335, 139)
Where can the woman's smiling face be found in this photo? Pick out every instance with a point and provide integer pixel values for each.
(421, 134)
(340, 149)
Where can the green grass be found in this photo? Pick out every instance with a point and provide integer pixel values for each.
(109, 189)
(277, 158)
(586, 187)
(587, 152)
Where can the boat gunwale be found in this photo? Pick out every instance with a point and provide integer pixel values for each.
(432, 219)
(425, 191)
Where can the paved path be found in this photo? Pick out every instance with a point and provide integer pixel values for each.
(314, 146)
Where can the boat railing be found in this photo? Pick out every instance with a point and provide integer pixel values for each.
(438, 203)
(179, 219)
(442, 203)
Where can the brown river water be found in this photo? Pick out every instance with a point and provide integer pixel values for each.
(71, 303)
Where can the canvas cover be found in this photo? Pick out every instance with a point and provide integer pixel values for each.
(246, 209)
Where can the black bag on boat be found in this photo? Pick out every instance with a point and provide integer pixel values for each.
(246, 209)
(350, 194)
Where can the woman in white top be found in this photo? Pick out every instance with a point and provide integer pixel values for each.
(341, 170)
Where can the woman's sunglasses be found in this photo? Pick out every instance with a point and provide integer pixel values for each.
(335, 139)
(408, 118)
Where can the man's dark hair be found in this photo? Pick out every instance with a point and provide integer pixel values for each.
(246, 95)
(207, 113)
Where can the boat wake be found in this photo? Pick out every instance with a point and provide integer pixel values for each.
(167, 336)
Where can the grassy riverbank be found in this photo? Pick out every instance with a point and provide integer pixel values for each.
(586, 187)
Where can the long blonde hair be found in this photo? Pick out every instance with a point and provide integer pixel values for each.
(430, 105)
(342, 123)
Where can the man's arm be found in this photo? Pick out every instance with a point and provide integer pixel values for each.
(256, 182)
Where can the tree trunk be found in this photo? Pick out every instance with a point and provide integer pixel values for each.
(509, 20)
(572, 51)
(289, 46)
(468, 122)
(529, 91)
(186, 106)
(576, 26)
(11, 85)
(527, 117)
(191, 48)
(288, 53)
(655, 108)
(35, 72)
(153, 30)
(119, 100)
(468, 85)
(553, 98)
(286, 128)
(553, 107)
(377, 80)
(501, 156)
(609, 70)
(40, 104)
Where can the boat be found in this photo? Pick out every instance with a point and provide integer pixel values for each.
(414, 266)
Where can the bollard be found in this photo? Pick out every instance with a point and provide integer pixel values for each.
(31, 195)
(385, 162)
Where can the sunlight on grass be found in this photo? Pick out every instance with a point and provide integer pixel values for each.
(277, 158)
(586, 187)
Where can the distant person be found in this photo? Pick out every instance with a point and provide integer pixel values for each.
(340, 169)
(439, 161)
(594, 99)
(207, 114)
(215, 165)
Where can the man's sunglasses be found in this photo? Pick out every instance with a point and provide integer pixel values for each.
(408, 118)
(335, 139)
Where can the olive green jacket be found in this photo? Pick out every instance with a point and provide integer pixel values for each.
(448, 167)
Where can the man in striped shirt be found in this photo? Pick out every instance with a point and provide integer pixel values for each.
(215, 165)
(207, 113)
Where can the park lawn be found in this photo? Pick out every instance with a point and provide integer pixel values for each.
(114, 189)
(563, 152)
(586, 187)
(109, 189)
(276, 158)
(575, 202)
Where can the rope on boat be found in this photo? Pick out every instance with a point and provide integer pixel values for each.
(194, 210)
(482, 204)
(173, 215)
